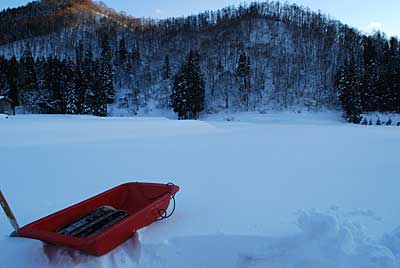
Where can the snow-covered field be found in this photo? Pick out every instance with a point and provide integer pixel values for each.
(274, 190)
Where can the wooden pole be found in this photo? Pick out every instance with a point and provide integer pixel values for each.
(8, 212)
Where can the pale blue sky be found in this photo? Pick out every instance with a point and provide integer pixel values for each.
(362, 14)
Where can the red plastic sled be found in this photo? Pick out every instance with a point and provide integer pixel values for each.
(144, 203)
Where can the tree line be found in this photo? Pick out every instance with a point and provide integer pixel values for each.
(85, 86)
(55, 86)
(248, 58)
(371, 82)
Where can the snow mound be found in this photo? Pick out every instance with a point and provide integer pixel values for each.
(383, 117)
(329, 241)
(324, 240)
(392, 241)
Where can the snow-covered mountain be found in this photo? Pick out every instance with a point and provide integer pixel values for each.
(293, 52)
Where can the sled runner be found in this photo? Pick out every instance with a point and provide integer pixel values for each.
(101, 223)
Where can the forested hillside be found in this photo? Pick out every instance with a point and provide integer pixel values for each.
(76, 56)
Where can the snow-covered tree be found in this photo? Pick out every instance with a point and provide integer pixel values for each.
(188, 94)
(122, 52)
(4, 86)
(349, 84)
(89, 82)
(243, 76)
(28, 83)
(165, 85)
(71, 83)
(77, 98)
(105, 69)
(179, 96)
(12, 78)
(166, 69)
(195, 86)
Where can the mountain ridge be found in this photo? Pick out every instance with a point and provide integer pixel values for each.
(60, 8)
(45, 17)
(294, 54)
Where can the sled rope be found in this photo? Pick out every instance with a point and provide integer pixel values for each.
(163, 214)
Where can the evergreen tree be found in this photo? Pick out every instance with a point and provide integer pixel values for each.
(133, 61)
(12, 78)
(179, 94)
(166, 69)
(100, 95)
(147, 73)
(89, 83)
(71, 89)
(349, 86)
(53, 85)
(165, 87)
(369, 96)
(29, 82)
(122, 52)
(195, 86)
(4, 86)
(59, 84)
(188, 92)
(66, 87)
(77, 98)
(386, 79)
(132, 68)
(105, 71)
(243, 76)
(392, 76)
(396, 83)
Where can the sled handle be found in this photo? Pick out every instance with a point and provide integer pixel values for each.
(9, 213)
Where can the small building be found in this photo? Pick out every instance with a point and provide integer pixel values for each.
(7, 105)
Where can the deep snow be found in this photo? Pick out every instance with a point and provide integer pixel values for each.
(273, 190)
